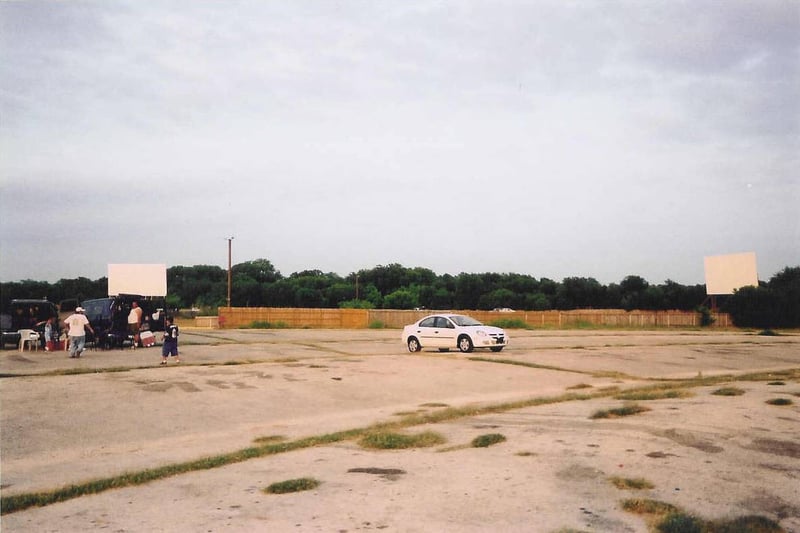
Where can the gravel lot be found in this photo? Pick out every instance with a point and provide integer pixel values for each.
(714, 456)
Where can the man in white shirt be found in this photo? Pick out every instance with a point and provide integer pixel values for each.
(135, 322)
(77, 324)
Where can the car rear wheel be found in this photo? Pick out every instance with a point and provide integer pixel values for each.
(465, 344)
(413, 345)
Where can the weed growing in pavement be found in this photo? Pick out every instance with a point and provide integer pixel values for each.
(625, 410)
(729, 391)
(270, 439)
(780, 401)
(292, 485)
(484, 441)
(645, 506)
(623, 483)
(776, 383)
(667, 518)
(580, 386)
(387, 440)
(377, 324)
(653, 394)
(744, 524)
(680, 523)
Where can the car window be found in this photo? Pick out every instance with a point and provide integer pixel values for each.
(462, 320)
(442, 322)
(428, 322)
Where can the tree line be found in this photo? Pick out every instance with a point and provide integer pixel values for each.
(257, 283)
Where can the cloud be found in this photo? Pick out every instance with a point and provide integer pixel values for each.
(588, 138)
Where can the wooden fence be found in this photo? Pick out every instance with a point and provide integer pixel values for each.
(238, 317)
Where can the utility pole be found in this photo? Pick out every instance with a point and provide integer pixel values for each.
(229, 269)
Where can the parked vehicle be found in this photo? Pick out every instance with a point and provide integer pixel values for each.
(25, 314)
(449, 331)
(109, 317)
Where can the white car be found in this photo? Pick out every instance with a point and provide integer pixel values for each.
(448, 331)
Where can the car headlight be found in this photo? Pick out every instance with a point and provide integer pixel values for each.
(481, 333)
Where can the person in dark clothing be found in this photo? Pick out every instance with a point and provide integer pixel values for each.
(170, 346)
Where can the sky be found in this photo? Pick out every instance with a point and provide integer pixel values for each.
(550, 138)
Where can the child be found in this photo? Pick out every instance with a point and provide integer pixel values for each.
(48, 335)
(170, 346)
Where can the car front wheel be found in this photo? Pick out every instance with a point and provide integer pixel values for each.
(413, 345)
(465, 344)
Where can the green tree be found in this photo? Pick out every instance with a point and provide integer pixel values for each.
(246, 291)
(775, 304)
(579, 293)
(401, 299)
(632, 290)
(469, 288)
(496, 298)
(260, 270)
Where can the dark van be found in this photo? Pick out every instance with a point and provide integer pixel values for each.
(109, 317)
(25, 314)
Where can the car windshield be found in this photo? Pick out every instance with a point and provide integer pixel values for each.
(462, 320)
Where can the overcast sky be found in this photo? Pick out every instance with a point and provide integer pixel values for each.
(550, 138)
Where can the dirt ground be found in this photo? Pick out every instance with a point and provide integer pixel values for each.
(714, 456)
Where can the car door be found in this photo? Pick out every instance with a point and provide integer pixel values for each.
(446, 333)
(428, 333)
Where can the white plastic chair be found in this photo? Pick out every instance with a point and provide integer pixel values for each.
(29, 336)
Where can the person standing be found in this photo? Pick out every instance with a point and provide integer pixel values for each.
(170, 346)
(77, 324)
(135, 322)
(49, 335)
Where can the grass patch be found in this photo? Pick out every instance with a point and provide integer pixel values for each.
(387, 440)
(667, 518)
(768, 333)
(729, 391)
(645, 395)
(434, 404)
(377, 324)
(776, 383)
(680, 522)
(643, 506)
(625, 410)
(525, 454)
(745, 524)
(259, 324)
(631, 484)
(269, 439)
(408, 413)
(510, 323)
(484, 441)
(263, 324)
(580, 386)
(780, 401)
(292, 485)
